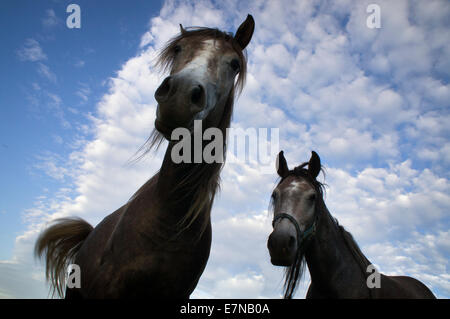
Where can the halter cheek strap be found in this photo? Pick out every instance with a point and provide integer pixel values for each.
(301, 236)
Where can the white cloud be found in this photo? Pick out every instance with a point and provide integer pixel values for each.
(388, 202)
(31, 51)
(44, 70)
(79, 63)
(51, 165)
(13, 284)
(371, 102)
(83, 92)
(45, 105)
(412, 257)
(50, 19)
(146, 39)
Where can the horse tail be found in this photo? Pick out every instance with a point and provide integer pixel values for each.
(60, 244)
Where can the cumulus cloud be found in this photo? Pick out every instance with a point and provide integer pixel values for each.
(146, 39)
(413, 257)
(372, 102)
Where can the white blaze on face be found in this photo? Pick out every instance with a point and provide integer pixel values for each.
(291, 195)
(294, 188)
(295, 202)
(198, 71)
(197, 68)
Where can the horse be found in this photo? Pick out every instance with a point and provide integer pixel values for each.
(304, 231)
(158, 243)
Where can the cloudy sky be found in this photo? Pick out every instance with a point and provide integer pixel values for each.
(76, 104)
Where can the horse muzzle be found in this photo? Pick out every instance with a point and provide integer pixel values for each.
(282, 248)
(181, 96)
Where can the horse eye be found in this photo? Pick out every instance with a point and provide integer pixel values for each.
(235, 65)
(312, 197)
(177, 49)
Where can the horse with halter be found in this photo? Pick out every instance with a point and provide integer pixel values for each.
(305, 231)
(158, 243)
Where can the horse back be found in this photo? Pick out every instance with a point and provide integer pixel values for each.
(403, 287)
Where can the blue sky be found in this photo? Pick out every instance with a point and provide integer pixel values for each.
(78, 62)
(374, 103)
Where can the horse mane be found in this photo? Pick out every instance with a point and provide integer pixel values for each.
(301, 171)
(360, 258)
(202, 179)
(164, 63)
(166, 56)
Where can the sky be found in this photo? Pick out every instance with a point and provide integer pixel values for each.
(76, 104)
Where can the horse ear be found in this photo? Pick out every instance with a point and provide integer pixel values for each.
(182, 30)
(245, 32)
(314, 165)
(282, 167)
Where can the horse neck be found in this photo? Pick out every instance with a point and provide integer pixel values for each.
(186, 190)
(334, 270)
(180, 181)
(169, 199)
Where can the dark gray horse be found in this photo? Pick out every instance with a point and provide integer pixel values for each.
(304, 230)
(158, 243)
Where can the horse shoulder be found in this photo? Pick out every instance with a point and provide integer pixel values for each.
(314, 293)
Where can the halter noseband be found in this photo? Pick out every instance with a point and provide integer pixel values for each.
(301, 236)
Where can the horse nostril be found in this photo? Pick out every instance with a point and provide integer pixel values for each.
(197, 95)
(163, 91)
(198, 99)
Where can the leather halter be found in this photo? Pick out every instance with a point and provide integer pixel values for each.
(301, 236)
